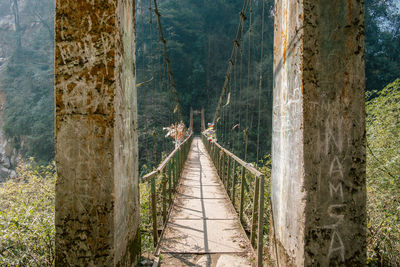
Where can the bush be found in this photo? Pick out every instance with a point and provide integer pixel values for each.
(27, 217)
(145, 219)
(383, 176)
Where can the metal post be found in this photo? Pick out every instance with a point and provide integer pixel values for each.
(203, 124)
(229, 174)
(214, 157)
(255, 206)
(191, 119)
(176, 169)
(154, 210)
(242, 194)
(233, 183)
(222, 171)
(219, 162)
(214, 154)
(164, 195)
(179, 162)
(260, 245)
(169, 182)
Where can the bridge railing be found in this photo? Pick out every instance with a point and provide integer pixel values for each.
(235, 174)
(163, 182)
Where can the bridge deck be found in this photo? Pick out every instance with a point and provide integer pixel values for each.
(203, 228)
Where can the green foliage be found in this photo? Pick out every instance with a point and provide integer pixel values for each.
(28, 115)
(382, 42)
(27, 79)
(145, 219)
(27, 217)
(200, 37)
(383, 175)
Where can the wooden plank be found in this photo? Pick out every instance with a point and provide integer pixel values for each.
(203, 236)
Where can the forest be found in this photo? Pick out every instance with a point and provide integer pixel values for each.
(199, 39)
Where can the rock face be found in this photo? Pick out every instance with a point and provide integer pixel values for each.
(97, 193)
(8, 154)
(8, 159)
(318, 152)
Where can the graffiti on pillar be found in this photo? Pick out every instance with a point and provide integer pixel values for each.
(83, 60)
(334, 150)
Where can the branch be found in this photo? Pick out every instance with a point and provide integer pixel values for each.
(380, 162)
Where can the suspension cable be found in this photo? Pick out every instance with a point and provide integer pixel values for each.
(231, 59)
(166, 58)
(248, 65)
(151, 52)
(234, 105)
(246, 129)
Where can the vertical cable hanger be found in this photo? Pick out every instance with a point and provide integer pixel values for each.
(248, 64)
(153, 82)
(142, 17)
(228, 106)
(151, 52)
(240, 87)
(246, 130)
(234, 106)
(260, 82)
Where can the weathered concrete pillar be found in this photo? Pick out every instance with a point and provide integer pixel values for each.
(97, 198)
(318, 151)
(203, 123)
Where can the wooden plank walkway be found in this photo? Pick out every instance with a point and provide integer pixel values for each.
(203, 228)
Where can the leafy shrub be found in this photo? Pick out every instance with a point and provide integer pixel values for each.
(27, 217)
(383, 176)
(145, 216)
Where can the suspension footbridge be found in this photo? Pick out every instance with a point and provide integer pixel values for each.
(209, 205)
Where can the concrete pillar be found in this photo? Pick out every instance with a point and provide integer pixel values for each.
(191, 119)
(318, 150)
(203, 123)
(97, 198)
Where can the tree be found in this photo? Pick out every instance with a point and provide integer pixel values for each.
(27, 78)
(382, 43)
